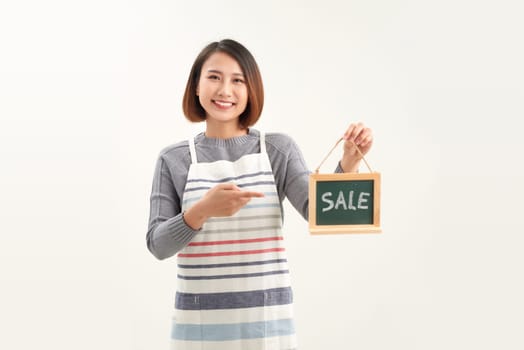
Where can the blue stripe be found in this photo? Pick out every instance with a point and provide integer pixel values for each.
(233, 300)
(239, 275)
(198, 188)
(235, 331)
(225, 179)
(276, 205)
(257, 183)
(249, 263)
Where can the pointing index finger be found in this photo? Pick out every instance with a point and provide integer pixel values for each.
(251, 194)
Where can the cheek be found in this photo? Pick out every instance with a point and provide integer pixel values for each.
(202, 86)
(203, 94)
(244, 95)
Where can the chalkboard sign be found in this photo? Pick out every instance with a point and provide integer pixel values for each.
(344, 203)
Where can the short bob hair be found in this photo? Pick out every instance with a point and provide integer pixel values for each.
(194, 111)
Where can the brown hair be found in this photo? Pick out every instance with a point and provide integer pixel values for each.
(194, 111)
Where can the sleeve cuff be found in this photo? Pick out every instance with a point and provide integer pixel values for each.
(180, 231)
(339, 169)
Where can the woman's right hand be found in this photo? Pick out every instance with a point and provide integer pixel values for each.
(221, 200)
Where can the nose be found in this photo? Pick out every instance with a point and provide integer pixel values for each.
(225, 88)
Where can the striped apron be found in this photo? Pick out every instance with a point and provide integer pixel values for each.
(233, 285)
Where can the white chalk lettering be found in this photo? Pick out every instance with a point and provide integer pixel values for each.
(328, 201)
(351, 206)
(362, 200)
(362, 203)
(341, 201)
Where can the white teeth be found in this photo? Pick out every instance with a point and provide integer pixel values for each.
(224, 104)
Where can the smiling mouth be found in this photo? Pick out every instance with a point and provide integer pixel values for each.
(223, 104)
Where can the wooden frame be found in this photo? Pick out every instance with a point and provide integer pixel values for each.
(327, 229)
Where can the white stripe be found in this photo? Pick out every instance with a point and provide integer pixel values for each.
(228, 235)
(244, 178)
(220, 248)
(248, 210)
(261, 211)
(254, 314)
(262, 142)
(198, 189)
(274, 343)
(233, 270)
(191, 197)
(192, 150)
(231, 258)
(233, 285)
(197, 194)
(250, 163)
(212, 231)
(271, 225)
(237, 223)
(243, 231)
(243, 218)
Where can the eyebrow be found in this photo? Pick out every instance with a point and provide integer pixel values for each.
(217, 71)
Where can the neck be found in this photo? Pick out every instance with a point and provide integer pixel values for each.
(224, 130)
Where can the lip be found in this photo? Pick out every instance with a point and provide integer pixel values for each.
(221, 104)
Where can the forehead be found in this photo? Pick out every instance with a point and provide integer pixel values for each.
(222, 62)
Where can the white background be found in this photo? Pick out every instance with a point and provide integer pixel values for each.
(90, 92)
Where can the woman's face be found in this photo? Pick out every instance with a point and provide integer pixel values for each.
(222, 89)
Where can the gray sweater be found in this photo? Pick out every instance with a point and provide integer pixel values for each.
(167, 232)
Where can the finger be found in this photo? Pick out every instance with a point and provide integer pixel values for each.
(250, 194)
(367, 141)
(364, 133)
(353, 131)
(349, 132)
(244, 201)
(240, 202)
(357, 132)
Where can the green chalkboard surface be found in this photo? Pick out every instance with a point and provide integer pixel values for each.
(344, 203)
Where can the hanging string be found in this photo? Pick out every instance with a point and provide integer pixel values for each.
(332, 149)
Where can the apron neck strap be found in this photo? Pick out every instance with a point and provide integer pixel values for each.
(262, 142)
(192, 150)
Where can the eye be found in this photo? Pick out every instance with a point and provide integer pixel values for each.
(239, 81)
(213, 77)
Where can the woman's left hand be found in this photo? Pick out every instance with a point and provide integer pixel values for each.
(357, 135)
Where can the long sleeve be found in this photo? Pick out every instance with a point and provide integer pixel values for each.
(296, 180)
(167, 232)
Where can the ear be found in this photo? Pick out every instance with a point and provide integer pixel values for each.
(197, 91)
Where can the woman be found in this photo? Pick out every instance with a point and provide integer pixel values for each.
(217, 202)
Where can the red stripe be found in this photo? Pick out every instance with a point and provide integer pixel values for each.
(241, 252)
(253, 240)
